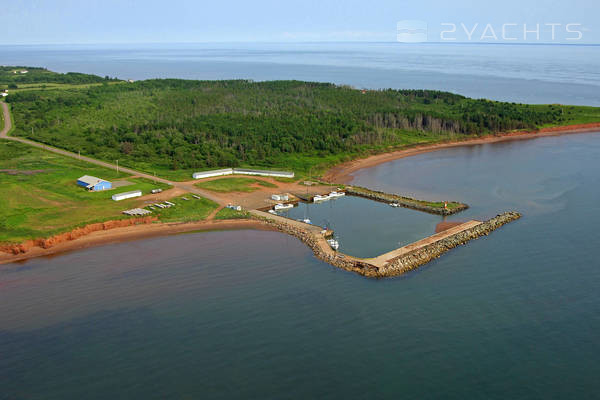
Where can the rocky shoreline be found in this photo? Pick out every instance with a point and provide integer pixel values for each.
(399, 265)
(407, 202)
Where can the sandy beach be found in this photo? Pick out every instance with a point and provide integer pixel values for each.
(342, 173)
(134, 232)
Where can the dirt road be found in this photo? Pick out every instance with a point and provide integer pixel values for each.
(186, 186)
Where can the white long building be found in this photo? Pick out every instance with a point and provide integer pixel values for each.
(126, 195)
(210, 174)
(242, 171)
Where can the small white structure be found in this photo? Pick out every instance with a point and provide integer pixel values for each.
(241, 171)
(210, 174)
(258, 172)
(280, 197)
(3, 94)
(233, 207)
(126, 195)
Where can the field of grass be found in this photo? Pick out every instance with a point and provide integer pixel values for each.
(1, 119)
(228, 213)
(54, 86)
(187, 210)
(225, 185)
(39, 196)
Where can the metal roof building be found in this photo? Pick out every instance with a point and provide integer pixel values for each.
(126, 195)
(94, 184)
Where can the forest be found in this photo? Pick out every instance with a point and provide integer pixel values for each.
(12, 77)
(172, 127)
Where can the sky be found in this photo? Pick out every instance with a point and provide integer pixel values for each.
(153, 21)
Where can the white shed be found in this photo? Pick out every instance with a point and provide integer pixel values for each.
(126, 195)
(210, 174)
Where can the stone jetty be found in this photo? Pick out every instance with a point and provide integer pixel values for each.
(374, 268)
(420, 205)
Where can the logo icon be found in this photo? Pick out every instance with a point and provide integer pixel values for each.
(411, 31)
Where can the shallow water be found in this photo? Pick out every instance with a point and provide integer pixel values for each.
(366, 228)
(252, 314)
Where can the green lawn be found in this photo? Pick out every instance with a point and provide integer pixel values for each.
(39, 196)
(226, 185)
(228, 213)
(187, 210)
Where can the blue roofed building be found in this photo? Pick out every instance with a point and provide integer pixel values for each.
(94, 184)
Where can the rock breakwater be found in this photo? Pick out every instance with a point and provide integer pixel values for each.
(396, 266)
(420, 205)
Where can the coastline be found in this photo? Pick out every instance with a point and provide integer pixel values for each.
(131, 233)
(342, 173)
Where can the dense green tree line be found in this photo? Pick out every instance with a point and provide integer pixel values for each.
(179, 124)
(13, 76)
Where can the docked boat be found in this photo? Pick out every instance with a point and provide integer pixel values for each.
(334, 195)
(280, 206)
(319, 197)
(272, 212)
(394, 204)
(306, 221)
(333, 243)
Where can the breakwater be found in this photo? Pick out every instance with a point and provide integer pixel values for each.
(419, 205)
(394, 267)
(423, 255)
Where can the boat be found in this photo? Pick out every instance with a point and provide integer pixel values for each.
(306, 221)
(272, 212)
(334, 194)
(281, 206)
(333, 243)
(394, 204)
(319, 197)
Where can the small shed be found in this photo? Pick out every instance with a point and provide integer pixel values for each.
(94, 184)
(126, 195)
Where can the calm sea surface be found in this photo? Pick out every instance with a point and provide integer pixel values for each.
(252, 314)
(519, 73)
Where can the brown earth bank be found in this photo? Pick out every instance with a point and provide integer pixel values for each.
(115, 232)
(342, 173)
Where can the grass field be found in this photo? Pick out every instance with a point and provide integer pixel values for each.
(225, 185)
(187, 210)
(39, 196)
(228, 213)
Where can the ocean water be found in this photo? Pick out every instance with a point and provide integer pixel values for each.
(519, 73)
(252, 314)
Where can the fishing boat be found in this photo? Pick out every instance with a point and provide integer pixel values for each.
(319, 197)
(334, 194)
(333, 243)
(281, 206)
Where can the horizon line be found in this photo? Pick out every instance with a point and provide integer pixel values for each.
(506, 43)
